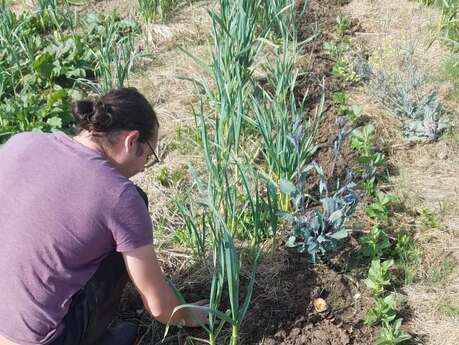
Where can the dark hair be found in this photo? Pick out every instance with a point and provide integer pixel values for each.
(120, 109)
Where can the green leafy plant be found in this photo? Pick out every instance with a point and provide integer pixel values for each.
(375, 244)
(226, 270)
(379, 276)
(340, 99)
(343, 71)
(362, 141)
(317, 231)
(391, 334)
(384, 310)
(428, 217)
(342, 24)
(380, 209)
(157, 9)
(352, 112)
(45, 60)
(407, 252)
(331, 49)
(164, 177)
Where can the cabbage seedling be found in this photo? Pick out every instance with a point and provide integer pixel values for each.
(379, 276)
(318, 231)
(383, 311)
(391, 334)
(375, 244)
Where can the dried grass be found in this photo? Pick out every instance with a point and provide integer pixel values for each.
(425, 176)
(172, 99)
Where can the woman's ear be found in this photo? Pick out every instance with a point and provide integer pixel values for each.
(131, 140)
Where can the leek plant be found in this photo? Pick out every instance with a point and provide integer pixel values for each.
(234, 49)
(274, 13)
(227, 265)
(279, 116)
(47, 4)
(115, 58)
(154, 9)
(226, 275)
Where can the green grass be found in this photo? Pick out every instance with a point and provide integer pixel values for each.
(450, 16)
(448, 307)
(428, 217)
(157, 9)
(438, 274)
(451, 73)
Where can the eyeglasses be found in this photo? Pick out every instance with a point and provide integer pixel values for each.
(153, 160)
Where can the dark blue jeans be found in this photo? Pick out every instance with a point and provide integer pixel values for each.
(95, 306)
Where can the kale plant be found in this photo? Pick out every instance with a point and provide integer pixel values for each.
(405, 94)
(317, 231)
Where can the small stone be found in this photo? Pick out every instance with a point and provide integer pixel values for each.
(320, 305)
(443, 155)
(345, 339)
(303, 340)
(295, 332)
(281, 334)
(299, 321)
(269, 341)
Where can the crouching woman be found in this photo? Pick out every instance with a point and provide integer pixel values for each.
(75, 229)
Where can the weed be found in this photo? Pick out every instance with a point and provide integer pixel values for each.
(407, 252)
(448, 307)
(195, 231)
(450, 19)
(115, 55)
(340, 99)
(157, 9)
(342, 24)
(428, 218)
(362, 140)
(379, 276)
(451, 72)
(331, 49)
(164, 177)
(438, 274)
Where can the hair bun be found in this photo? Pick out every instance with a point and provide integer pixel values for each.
(82, 112)
(92, 116)
(101, 119)
(120, 109)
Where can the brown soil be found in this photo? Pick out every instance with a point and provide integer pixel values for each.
(282, 310)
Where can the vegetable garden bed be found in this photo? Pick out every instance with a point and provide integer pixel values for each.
(283, 214)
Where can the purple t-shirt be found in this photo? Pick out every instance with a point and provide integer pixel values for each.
(63, 209)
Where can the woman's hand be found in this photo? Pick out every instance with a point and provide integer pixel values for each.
(195, 317)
